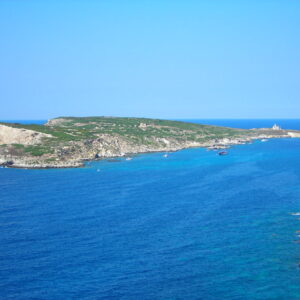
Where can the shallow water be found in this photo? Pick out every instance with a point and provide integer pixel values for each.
(194, 225)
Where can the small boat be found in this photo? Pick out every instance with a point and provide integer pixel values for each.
(165, 155)
(128, 158)
(264, 140)
(114, 160)
(223, 153)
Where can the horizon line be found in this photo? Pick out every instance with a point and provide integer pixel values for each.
(162, 118)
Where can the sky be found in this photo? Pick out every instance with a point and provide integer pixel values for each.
(158, 58)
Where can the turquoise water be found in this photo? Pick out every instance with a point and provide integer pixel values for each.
(194, 225)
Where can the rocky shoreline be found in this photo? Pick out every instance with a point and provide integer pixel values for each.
(61, 144)
(27, 163)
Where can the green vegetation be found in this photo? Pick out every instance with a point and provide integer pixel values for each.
(71, 128)
(34, 150)
(136, 129)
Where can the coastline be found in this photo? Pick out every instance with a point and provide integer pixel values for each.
(81, 162)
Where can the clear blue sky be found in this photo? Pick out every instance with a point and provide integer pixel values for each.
(167, 59)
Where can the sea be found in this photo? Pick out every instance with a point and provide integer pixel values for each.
(192, 225)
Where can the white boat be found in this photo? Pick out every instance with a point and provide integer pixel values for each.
(295, 214)
(165, 155)
(264, 140)
(128, 158)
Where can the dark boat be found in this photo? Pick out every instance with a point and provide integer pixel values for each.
(223, 153)
(113, 160)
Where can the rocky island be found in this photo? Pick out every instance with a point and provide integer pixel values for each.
(69, 141)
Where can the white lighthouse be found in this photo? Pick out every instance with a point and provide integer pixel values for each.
(276, 127)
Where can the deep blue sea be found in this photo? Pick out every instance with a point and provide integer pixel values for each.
(194, 225)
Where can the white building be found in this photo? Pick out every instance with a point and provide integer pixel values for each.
(276, 127)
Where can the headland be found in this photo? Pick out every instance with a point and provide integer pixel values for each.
(67, 142)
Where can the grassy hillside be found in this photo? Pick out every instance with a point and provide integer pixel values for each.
(139, 127)
(74, 128)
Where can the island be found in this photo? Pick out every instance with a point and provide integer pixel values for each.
(67, 142)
